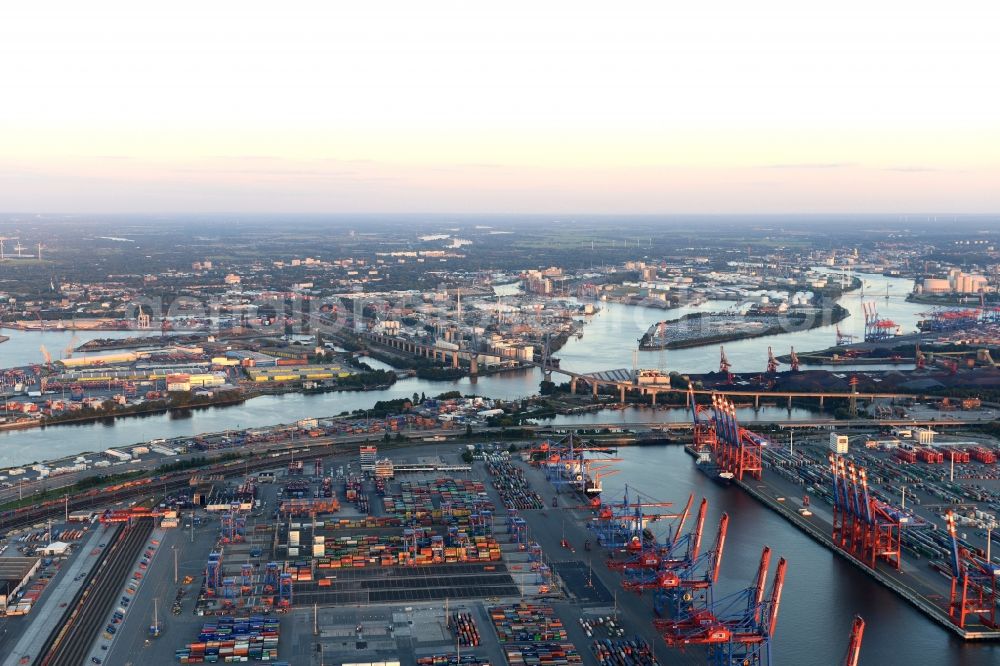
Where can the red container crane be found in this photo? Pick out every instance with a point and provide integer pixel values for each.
(973, 584)
(738, 451)
(736, 629)
(854, 646)
(864, 526)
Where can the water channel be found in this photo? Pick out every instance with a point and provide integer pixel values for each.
(608, 341)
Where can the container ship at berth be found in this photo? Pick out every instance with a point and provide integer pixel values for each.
(565, 464)
(592, 488)
(704, 463)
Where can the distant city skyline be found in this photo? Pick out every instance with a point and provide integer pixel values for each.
(452, 107)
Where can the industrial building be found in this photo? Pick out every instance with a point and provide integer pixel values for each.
(957, 282)
(14, 575)
(286, 373)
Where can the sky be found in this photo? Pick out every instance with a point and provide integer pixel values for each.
(329, 106)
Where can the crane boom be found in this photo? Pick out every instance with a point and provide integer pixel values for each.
(699, 524)
(854, 646)
(760, 582)
(950, 518)
(683, 518)
(720, 543)
(776, 588)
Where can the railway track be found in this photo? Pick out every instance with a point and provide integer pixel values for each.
(172, 481)
(75, 638)
(74, 603)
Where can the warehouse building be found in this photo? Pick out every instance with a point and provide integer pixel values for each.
(15, 572)
(296, 373)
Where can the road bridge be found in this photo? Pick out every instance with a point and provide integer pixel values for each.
(618, 379)
(598, 379)
(839, 424)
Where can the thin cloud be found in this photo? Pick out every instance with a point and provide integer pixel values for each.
(244, 157)
(808, 165)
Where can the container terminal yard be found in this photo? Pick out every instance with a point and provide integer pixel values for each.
(318, 551)
(922, 550)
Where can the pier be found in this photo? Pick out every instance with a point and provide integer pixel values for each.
(891, 579)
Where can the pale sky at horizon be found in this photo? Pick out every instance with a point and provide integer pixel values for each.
(776, 106)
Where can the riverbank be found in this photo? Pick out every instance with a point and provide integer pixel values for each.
(385, 380)
(152, 409)
(698, 329)
(949, 301)
(82, 325)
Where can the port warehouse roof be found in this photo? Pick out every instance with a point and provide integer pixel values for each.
(296, 372)
(14, 574)
(125, 356)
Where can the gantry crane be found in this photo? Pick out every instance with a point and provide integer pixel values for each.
(725, 367)
(772, 362)
(793, 361)
(657, 568)
(565, 464)
(624, 524)
(738, 450)
(864, 525)
(877, 329)
(737, 629)
(844, 338)
(973, 584)
(705, 438)
(692, 581)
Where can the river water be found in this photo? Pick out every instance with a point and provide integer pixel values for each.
(822, 592)
(608, 342)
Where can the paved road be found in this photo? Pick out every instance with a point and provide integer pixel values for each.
(130, 645)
